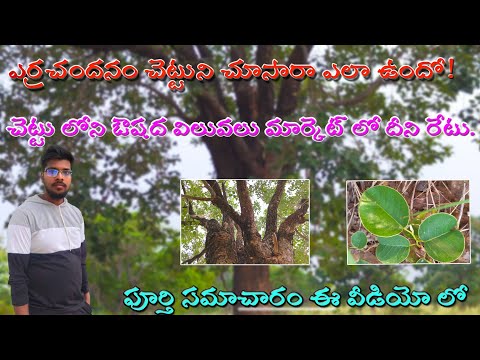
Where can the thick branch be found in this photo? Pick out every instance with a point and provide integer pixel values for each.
(219, 201)
(224, 191)
(265, 95)
(210, 107)
(246, 205)
(287, 227)
(288, 99)
(244, 90)
(252, 160)
(248, 155)
(215, 187)
(209, 188)
(206, 54)
(271, 224)
(249, 149)
(224, 206)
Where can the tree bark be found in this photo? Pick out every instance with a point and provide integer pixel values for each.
(235, 239)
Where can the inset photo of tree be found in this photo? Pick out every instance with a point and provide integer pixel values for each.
(251, 221)
(408, 222)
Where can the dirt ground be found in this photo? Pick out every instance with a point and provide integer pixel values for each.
(420, 195)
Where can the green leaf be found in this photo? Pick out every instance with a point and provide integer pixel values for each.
(442, 241)
(383, 211)
(359, 240)
(392, 250)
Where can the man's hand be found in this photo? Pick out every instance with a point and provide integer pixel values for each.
(87, 297)
(21, 310)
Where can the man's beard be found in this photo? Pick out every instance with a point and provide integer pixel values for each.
(55, 195)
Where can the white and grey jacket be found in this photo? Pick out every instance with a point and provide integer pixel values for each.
(47, 256)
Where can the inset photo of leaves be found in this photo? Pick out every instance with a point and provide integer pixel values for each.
(245, 222)
(408, 222)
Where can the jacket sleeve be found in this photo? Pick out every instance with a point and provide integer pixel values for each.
(83, 250)
(18, 252)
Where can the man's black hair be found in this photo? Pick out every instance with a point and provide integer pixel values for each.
(56, 152)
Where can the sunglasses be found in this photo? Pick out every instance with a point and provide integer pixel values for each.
(52, 172)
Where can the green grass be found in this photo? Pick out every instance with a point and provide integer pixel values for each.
(385, 310)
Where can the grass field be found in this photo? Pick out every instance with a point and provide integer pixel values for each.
(346, 310)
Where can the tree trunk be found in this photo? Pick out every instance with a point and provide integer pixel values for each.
(251, 278)
(236, 158)
(245, 277)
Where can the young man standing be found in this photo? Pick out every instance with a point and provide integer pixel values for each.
(46, 246)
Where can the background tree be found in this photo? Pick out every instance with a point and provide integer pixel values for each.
(138, 175)
(130, 256)
(5, 302)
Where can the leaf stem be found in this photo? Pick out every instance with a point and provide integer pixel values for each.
(444, 206)
(412, 233)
